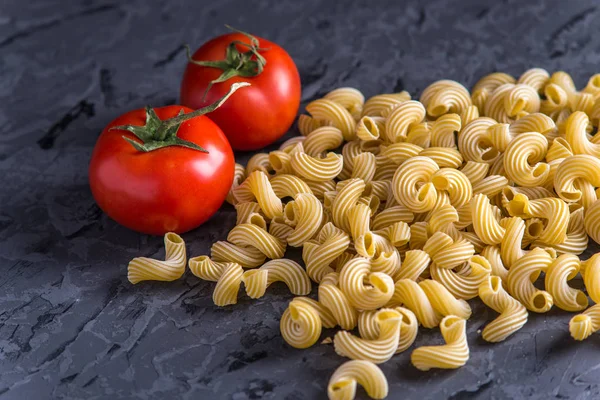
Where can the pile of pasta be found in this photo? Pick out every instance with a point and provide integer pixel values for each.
(431, 203)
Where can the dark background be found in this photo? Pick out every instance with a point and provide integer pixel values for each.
(71, 326)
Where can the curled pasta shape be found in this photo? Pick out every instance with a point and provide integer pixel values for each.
(280, 229)
(577, 137)
(475, 171)
(577, 239)
(359, 218)
(455, 183)
(258, 162)
(280, 162)
(239, 174)
(282, 270)
(318, 255)
(245, 210)
(322, 139)
(444, 157)
(400, 152)
(383, 104)
(342, 384)
(345, 199)
(317, 168)
(336, 301)
(465, 283)
(412, 296)
(583, 325)
(590, 269)
(300, 325)
(525, 271)
(563, 269)
(492, 81)
(537, 78)
(172, 268)
(327, 319)
(444, 129)
(247, 257)
(580, 166)
(402, 118)
(350, 98)
(228, 285)
(593, 85)
(510, 102)
(368, 327)
(513, 315)
(307, 124)
(412, 184)
(398, 234)
(291, 143)
(254, 236)
(445, 96)
(319, 188)
(553, 209)
(469, 114)
(304, 213)
(492, 254)
(454, 354)
(377, 350)
(364, 167)
(339, 117)
(366, 290)
(370, 128)
(485, 221)
(510, 247)
(414, 264)
(475, 143)
(206, 269)
(392, 215)
(257, 187)
(446, 252)
(523, 151)
(289, 186)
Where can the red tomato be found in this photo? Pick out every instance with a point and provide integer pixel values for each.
(171, 189)
(260, 114)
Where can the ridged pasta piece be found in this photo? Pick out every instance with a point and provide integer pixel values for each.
(239, 174)
(577, 239)
(228, 285)
(590, 269)
(414, 264)
(444, 157)
(319, 188)
(368, 327)
(377, 350)
(282, 270)
(563, 269)
(537, 78)
(443, 301)
(402, 118)
(346, 198)
(323, 139)
(291, 143)
(392, 215)
(317, 168)
(412, 184)
(172, 268)
(492, 81)
(327, 319)
(254, 236)
(307, 124)
(318, 255)
(583, 325)
(409, 294)
(577, 137)
(258, 162)
(245, 210)
(510, 247)
(304, 213)
(364, 167)
(350, 98)
(454, 354)
(444, 129)
(485, 222)
(474, 141)
(492, 254)
(522, 159)
(563, 80)
(339, 117)
(521, 276)
(475, 171)
(398, 234)
(513, 315)
(580, 166)
(206, 269)
(400, 152)
(553, 209)
(556, 99)
(336, 301)
(445, 96)
(509, 102)
(469, 114)
(465, 283)
(383, 104)
(247, 257)
(593, 85)
(280, 162)
(300, 325)
(366, 290)
(359, 218)
(257, 187)
(280, 229)
(370, 128)
(446, 252)
(342, 384)
(289, 186)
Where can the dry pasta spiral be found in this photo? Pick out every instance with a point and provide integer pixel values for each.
(172, 268)
(454, 354)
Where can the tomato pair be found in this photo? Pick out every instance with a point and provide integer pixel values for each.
(170, 168)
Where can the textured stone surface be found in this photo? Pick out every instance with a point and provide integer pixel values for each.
(71, 326)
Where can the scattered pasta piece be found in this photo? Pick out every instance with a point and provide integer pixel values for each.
(149, 269)
(454, 354)
(342, 384)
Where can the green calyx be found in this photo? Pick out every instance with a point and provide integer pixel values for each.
(248, 64)
(157, 133)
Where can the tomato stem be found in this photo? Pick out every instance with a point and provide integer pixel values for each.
(247, 64)
(156, 134)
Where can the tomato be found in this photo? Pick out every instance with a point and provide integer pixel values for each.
(259, 115)
(169, 189)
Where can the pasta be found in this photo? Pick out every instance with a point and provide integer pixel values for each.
(445, 96)
(257, 187)
(561, 270)
(525, 271)
(331, 296)
(342, 384)
(368, 327)
(300, 325)
(353, 282)
(228, 285)
(590, 269)
(304, 213)
(583, 325)
(148, 269)
(592, 221)
(239, 175)
(334, 112)
(287, 271)
(454, 354)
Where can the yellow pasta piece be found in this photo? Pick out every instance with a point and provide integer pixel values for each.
(300, 325)
(581, 166)
(317, 168)
(205, 268)
(304, 213)
(327, 319)
(402, 118)
(282, 270)
(445, 96)
(444, 129)
(452, 355)
(346, 199)
(469, 114)
(336, 301)
(254, 236)
(383, 104)
(364, 167)
(513, 315)
(350, 98)
(258, 162)
(228, 285)
(257, 187)
(563, 269)
(368, 327)
(510, 247)
(577, 137)
(525, 271)
(492, 254)
(172, 268)
(537, 78)
(377, 350)
(590, 269)
(245, 210)
(239, 174)
(323, 139)
(366, 290)
(444, 157)
(370, 128)
(307, 124)
(342, 384)
(583, 325)
(463, 284)
(289, 186)
(412, 184)
(318, 255)
(291, 143)
(522, 159)
(485, 221)
(553, 209)
(475, 143)
(446, 252)
(247, 257)
(334, 112)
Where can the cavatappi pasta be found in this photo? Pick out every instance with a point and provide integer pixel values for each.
(405, 209)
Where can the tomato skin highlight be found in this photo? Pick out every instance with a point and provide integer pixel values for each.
(172, 189)
(261, 113)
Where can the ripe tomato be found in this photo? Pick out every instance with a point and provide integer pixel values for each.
(169, 189)
(259, 115)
